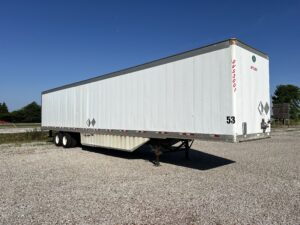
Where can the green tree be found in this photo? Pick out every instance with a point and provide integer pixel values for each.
(4, 114)
(17, 116)
(28, 114)
(288, 94)
(32, 113)
(3, 108)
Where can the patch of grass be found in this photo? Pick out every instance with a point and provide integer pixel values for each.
(24, 137)
(288, 123)
(20, 125)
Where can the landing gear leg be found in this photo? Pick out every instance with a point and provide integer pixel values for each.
(157, 152)
(187, 148)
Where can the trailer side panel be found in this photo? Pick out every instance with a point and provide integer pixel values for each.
(191, 95)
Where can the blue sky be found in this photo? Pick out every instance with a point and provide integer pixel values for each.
(45, 44)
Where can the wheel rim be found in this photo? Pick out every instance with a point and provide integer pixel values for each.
(65, 141)
(56, 139)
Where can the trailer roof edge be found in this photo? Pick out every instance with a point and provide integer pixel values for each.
(165, 60)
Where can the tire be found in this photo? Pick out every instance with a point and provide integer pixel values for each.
(74, 142)
(57, 139)
(67, 140)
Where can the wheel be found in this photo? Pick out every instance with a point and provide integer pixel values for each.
(58, 139)
(67, 140)
(74, 142)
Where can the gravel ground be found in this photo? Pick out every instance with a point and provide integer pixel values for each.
(247, 183)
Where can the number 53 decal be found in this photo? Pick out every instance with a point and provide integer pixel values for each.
(230, 119)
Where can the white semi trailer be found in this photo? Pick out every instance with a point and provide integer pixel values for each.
(217, 92)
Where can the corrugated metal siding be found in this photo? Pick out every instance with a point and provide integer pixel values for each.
(192, 95)
(113, 141)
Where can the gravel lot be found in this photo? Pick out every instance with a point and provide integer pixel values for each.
(247, 183)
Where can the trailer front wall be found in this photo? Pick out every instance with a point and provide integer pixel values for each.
(192, 95)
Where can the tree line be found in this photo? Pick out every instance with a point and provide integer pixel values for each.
(31, 113)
